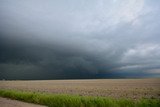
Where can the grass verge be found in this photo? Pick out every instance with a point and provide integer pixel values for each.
(62, 100)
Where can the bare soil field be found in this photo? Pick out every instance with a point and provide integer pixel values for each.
(4, 102)
(115, 88)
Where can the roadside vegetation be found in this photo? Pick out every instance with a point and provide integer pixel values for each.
(64, 100)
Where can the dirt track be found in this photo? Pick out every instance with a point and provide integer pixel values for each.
(4, 102)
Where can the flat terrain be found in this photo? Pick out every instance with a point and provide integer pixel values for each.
(115, 88)
(4, 102)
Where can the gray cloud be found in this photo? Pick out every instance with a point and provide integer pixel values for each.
(79, 39)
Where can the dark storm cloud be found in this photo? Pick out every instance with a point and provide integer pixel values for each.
(79, 39)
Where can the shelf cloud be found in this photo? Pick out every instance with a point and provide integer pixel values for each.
(59, 39)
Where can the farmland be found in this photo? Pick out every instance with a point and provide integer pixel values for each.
(112, 88)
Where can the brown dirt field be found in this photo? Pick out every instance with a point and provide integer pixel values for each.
(116, 88)
(4, 102)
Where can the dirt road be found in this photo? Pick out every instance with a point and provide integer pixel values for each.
(4, 102)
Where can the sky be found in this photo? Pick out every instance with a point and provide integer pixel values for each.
(79, 39)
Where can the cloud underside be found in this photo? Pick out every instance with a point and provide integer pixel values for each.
(83, 39)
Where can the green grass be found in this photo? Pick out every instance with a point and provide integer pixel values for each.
(62, 100)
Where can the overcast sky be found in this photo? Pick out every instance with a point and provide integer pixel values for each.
(64, 39)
